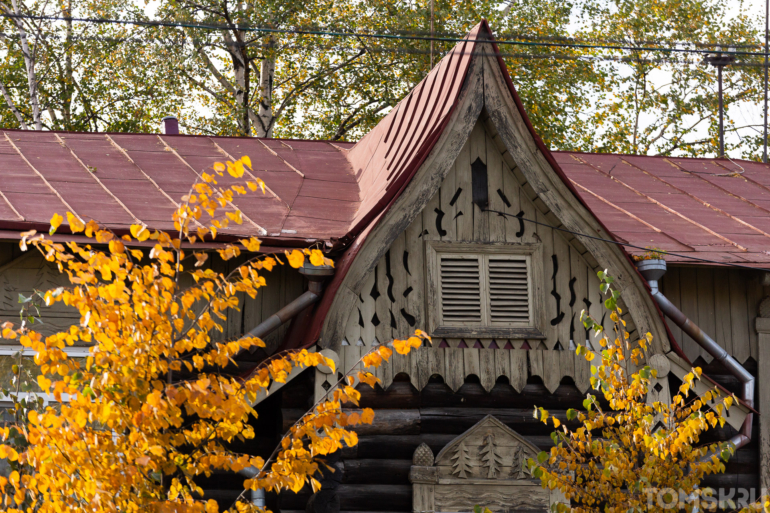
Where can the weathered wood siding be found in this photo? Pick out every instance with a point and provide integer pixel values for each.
(22, 273)
(393, 300)
(723, 302)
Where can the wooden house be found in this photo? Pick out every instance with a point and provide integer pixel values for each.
(451, 216)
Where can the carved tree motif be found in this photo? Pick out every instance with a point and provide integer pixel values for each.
(517, 464)
(490, 458)
(461, 465)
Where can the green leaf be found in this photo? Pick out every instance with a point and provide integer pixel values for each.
(608, 278)
(477, 509)
(593, 369)
(572, 414)
(604, 287)
(542, 457)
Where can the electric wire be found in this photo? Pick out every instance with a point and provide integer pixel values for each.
(626, 244)
(341, 33)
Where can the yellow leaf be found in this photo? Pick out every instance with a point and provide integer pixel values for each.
(140, 233)
(246, 160)
(296, 258)
(56, 221)
(316, 257)
(235, 169)
(76, 225)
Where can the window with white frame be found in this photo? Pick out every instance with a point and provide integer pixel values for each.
(484, 290)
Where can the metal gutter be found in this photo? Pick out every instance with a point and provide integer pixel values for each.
(653, 271)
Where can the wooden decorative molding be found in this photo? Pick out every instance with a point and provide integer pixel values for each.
(485, 465)
(454, 365)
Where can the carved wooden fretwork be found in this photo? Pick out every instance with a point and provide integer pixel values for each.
(483, 466)
(455, 365)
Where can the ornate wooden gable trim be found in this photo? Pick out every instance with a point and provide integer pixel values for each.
(484, 466)
(486, 117)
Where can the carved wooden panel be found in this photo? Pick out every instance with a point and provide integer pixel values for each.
(484, 466)
(394, 299)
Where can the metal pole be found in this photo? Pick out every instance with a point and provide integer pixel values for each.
(721, 116)
(767, 15)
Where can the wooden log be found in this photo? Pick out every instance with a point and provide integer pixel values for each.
(458, 420)
(403, 446)
(363, 471)
(405, 422)
(358, 497)
(400, 394)
(375, 497)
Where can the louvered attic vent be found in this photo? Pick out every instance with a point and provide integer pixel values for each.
(460, 289)
(484, 290)
(508, 290)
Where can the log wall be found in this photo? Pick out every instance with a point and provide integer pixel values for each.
(374, 474)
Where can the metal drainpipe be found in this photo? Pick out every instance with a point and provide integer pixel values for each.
(257, 496)
(652, 271)
(316, 275)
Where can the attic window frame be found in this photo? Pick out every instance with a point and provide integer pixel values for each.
(532, 252)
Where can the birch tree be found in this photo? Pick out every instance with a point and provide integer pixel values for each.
(68, 75)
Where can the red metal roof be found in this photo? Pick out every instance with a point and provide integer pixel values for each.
(715, 209)
(121, 179)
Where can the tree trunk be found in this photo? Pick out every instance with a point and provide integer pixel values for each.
(29, 62)
(267, 72)
(69, 83)
(242, 82)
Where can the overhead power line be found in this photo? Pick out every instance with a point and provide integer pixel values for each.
(402, 37)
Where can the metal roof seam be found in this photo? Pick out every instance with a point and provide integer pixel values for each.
(699, 200)
(613, 205)
(717, 186)
(10, 205)
(146, 176)
(426, 131)
(669, 209)
(172, 150)
(233, 159)
(98, 180)
(268, 148)
(58, 195)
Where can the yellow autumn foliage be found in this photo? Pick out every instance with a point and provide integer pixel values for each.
(622, 451)
(154, 405)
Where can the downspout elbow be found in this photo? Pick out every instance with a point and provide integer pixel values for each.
(257, 496)
(652, 271)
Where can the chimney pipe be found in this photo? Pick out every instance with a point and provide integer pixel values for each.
(169, 125)
(653, 271)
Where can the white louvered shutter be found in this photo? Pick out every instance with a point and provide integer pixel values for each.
(509, 290)
(461, 302)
